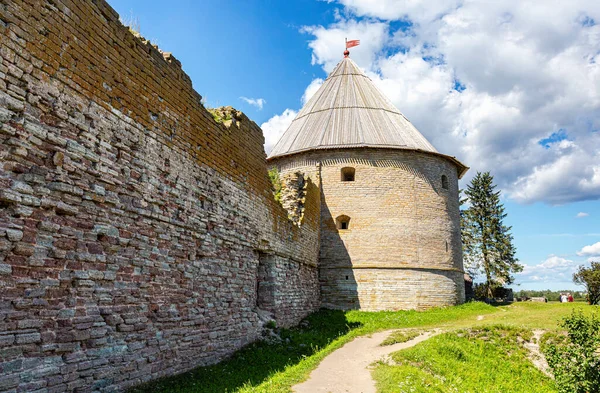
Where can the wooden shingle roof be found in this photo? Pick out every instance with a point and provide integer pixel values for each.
(349, 111)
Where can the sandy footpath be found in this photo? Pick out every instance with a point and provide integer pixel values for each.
(346, 369)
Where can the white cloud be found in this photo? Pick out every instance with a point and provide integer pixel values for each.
(492, 83)
(419, 11)
(328, 45)
(592, 250)
(275, 127)
(257, 102)
(582, 214)
(311, 89)
(553, 269)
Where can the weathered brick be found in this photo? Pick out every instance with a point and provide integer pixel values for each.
(24, 249)
(29, 323)
(22, 187)
(14, 235)
(5, 269)
(8, 382)
(129, 223)
(28, 338)
(7, 340)
(65, 208)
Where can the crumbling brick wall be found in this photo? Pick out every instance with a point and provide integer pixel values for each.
(293, 195)
(131, 222)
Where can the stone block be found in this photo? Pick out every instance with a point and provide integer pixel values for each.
(7, 340)
(24, 249)
(29, 324)
(21, 187)
(66, 209)
(5, 269)
(14, 235)
(28, 338)
(9, 382)
(48, 226)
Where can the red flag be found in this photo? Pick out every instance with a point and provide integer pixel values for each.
(350, 44)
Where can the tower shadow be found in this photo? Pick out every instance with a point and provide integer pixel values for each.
(339, 286)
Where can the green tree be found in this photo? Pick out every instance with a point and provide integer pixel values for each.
(470, 265)
(487, 242)
(590, 277)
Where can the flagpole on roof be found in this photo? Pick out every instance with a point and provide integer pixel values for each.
(346, 51)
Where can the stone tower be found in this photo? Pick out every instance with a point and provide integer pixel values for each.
(390, 226)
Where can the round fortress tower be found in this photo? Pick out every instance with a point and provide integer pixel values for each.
(390, 224)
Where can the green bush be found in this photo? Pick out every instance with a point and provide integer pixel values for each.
(576, 359)
(275, 183)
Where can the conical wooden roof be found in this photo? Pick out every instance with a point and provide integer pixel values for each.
(349, 111)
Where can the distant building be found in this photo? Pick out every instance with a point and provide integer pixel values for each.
(390, 223)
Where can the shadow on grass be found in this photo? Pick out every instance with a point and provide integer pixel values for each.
(499, 304)
(257, 362)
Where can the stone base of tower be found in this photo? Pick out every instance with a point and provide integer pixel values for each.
(375, 289)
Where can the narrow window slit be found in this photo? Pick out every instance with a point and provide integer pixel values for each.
(348, 174)
(343, 222)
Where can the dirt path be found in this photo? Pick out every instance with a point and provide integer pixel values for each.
(536, 356)
(346, 370)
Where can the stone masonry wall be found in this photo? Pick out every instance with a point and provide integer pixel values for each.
(131, 223)
(402, 249)
(390, 289)
(283, 285)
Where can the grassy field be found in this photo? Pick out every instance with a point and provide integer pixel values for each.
(263, 367)
(487, 359)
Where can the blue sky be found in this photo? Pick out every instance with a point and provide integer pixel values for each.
(494, 84)
(236, 48)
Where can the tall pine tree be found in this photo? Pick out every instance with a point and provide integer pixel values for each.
(487, 242)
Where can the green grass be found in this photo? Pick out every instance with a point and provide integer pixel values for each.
(400, 336)
(488, 359)
(263, 367)
(546, 316)
(220, 115)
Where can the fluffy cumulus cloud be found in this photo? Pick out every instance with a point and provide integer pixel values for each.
(553, 269)
(328, 42)
(511, 86)
(418, 11)
(257, 102)
(582, 215)
(311, 90)
(592, 250)
(275, 126)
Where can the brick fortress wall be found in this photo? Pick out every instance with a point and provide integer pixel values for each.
(137, 235)
(402, 248)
